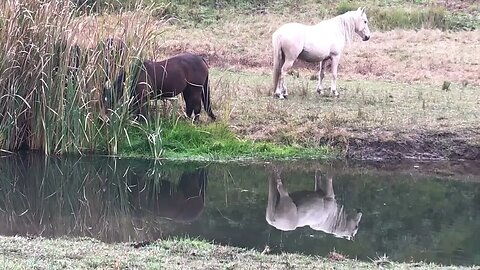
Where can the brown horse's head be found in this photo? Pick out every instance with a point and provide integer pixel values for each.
(180, 202)
(186, 202)
(113, 58)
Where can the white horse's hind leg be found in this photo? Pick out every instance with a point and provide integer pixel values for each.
(321, 75)
(286, 66)
(279, 82)
(272, 200)
(280, 86)
(335, 61)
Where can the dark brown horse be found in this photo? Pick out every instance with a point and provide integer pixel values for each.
(185, 74)
(185, 201)
(182, 201)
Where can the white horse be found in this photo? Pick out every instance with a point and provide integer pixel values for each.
(315, 43)
(317, 209)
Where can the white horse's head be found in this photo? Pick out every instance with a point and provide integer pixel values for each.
(361, 24)
(351, 227)
(344, 226)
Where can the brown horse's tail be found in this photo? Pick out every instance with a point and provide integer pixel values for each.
(277, 60)
(206, 99)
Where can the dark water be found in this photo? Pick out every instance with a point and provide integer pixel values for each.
(413, 212)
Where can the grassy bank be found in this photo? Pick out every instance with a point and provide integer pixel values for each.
(213, 141)
(24, 253)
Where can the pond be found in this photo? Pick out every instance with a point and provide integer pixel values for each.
(409, 212)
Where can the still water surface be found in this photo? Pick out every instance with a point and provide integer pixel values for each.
(418, 212)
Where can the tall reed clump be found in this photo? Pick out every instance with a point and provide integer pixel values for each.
(51, 84)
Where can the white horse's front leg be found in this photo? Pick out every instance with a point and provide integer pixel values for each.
(335, 61)
(329, 193)
(321, 75)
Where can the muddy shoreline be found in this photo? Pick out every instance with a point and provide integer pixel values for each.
(415, 146)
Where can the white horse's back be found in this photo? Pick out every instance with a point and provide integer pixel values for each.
(313, 208)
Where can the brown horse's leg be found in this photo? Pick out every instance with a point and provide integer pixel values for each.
(140, 94)
(188, 102)
(141, 102)
(196, 99)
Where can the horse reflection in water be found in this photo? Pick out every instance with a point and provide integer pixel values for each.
(183, 202)
(317, 209)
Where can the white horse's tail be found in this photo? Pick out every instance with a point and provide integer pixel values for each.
(277, 60)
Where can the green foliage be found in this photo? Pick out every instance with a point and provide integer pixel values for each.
(462, 21)
(397, 14)
(391, 18)
(385, 15)
(344, 6)
(100, 6)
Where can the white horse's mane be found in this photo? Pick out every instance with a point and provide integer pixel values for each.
(346, 24)
(336, 223)
(340, 223)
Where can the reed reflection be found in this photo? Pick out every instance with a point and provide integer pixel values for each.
(109, 199)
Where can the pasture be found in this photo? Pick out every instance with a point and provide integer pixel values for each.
(411, 91)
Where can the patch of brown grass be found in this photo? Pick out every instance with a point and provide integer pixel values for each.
(428, 56)
(244, 42)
